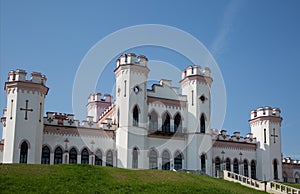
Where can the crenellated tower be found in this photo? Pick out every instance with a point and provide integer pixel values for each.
(131, 106)
(195, 84)
(265, 123)
(97, 105)
(23, 132)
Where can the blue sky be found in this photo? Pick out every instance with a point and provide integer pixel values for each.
(255, 43)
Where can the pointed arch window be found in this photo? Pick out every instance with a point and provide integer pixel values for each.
(165, 160)
(202, 124)
(73, 156)
(253, 169)
(153, 121)
(275, 169)
(135, 158)
(24, 153)
(85, 156)
(109, 158)
(246, 173)
(166, 123)
(153, 159)
(236, 166)
(177, 123)
(45, 155)
(135, 116)
(228, 164)
(217, 165)
(58, 154)
(178, 161)
(203, 163)
(98, 158)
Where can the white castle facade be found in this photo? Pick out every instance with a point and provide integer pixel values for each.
(157, 128)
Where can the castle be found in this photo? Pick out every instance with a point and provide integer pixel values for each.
(157, 128)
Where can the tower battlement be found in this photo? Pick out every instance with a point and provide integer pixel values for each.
(96, 97)
(195, 70)
(132, 59)
(20, 75)
(265, 111)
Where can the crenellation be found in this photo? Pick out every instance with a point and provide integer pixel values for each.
(195, 70)
(132, 59)
(265, 111)
(236, 137)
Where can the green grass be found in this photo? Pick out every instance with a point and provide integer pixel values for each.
(94, 179)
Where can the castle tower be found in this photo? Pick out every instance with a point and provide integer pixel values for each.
(96, 105)
(195, 84)
(131, 108)
(265, 125)
(23, 132)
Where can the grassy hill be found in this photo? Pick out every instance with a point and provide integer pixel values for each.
(94, 179)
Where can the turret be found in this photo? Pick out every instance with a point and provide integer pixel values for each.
(265, 123)
(131, 98)
(195, 84)
(24, 117)
(97, 105)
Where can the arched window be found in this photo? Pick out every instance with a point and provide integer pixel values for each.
(217, 165)
(45, 155)
(135, 116)
(202, 124)
(228, 164)
(58, 154)
(85, 156)
(297, 177)
(275, 169)
(109, 158)
(24, 153)
(166, 160)
(177, 123)
(153, 121)
(284, 176)
(246, 173)
(178, 161)
(253, 169)
(236, 166)
(153, 159)
(73, 156)
(166, 123)
(98, 158)
(203, 163)
(135, 158)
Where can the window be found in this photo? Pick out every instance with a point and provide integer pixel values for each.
(236, 166)
(217, 165)
(177, 123)
(153, 121)
(153, 160)
(58, 154)
(166, 123)
(165, 160)
(109, 158)
(203, 163)
(45, 155)
(85, 156)
(228, 164)
(178, 161)
(246, 173)
(118, 115)
(73, 156)
(202, 124)
(253, 169)
(135, 156)
(23, 153)
(135, 116)
(275, 169)
(98, 158)
(265, 136)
